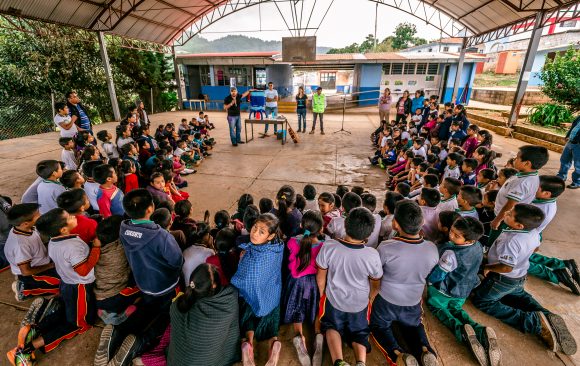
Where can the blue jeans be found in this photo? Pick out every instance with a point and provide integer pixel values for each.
(235, 128)
(570, 155)
(270, 113)
(506, 299)
(301, 118)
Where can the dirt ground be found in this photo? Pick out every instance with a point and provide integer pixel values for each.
(260, 168)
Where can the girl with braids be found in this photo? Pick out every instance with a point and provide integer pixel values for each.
(485, 138)
(288, 215)
(259, 282)
(226, 258)
(204, 322)
(485, 158)
(301, 297)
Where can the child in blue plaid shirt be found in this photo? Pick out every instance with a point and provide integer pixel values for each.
(259, 281)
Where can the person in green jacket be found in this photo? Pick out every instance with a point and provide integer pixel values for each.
(318, 107)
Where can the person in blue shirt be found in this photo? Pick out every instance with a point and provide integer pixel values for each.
(78, 112)
(417, 102)
(571, 155)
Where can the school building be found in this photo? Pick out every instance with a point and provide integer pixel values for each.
(359, 76)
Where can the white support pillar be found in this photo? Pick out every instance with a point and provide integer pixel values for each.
(526, 69)
(459, 70)
(109, 76)
(177, 71)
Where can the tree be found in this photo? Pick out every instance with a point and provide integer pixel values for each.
(405, 36)
(561, 78)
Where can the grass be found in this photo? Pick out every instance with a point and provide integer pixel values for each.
(492, 79)
(497, 115)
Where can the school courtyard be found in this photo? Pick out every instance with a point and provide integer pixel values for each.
(260, 168)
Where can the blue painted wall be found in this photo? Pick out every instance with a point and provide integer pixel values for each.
(467, 76)
(369, 78)
(218, 93)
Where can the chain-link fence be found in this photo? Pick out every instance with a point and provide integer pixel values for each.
(25, 116)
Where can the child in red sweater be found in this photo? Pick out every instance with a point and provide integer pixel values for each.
(76, 202)
(130, 181)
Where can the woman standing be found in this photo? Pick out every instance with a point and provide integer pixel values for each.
(301, 103)
(385, 105)
(417, 102)
(403, 107)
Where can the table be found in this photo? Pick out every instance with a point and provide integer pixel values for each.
(193, 102)
(252, 122)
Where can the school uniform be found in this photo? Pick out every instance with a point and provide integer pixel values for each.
(468, 179)
(76, 292)
(48, 191)
(386, 231)
(449, 204)
(468, 213)
(406, 263)
(430, 223)
(420, 151)
(110, 150)
(486, 216)
(345, 305)
(23, 247)
(373, 240)
(451, 172)
(512, 248)
(92, 189)
(451, 282)
(312, 205)
(69, 159)
(336, 227)
(110, 201)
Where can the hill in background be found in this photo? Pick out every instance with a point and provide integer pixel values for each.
(234, 43)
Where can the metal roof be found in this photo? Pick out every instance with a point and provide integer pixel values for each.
(162, 21)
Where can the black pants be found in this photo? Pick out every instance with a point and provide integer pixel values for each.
(314, 116)
(401, 118)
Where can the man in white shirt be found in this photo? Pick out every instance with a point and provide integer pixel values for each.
(271, 95)
(63, 121)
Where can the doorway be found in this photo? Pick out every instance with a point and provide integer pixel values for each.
(443, 87)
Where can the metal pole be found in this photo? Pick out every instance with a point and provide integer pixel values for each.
(376, 17)
(52, 103)
(459, 70)
(151, 100)
(109, 76)
(526, 68)
(177, 79)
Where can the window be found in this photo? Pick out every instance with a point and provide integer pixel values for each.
(397, 69)
(204, 75)
(242, 75)
(386, 69)
(433, 69)
(409, 69)
(260, 81)
(446, 49)
(328, 80)
(421, 69)
(568, 24)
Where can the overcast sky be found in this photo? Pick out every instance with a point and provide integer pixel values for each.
(347, 21)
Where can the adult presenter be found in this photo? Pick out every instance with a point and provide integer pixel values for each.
(571, 155)
(271, 95)
(232, 105)
(318, 107)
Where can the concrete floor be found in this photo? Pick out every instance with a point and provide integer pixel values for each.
(260, 168)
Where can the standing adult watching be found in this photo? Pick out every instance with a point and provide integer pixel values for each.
(571, 155)
(78, 112)
(271, 95)
(232, 105)
(385, 102)
(301, 102)
(417, 102)
(403, 107)
(318, 107)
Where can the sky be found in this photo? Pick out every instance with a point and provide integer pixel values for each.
(346, 22)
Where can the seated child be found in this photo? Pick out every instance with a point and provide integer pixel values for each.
(326, 205)
(403, 188)
(454, 161)
(469, 197)
(446, 220)
(468, 176)
(162, 217)
(301, 297)
(74, 262)
(348, 276)
(552, 269)
(72, 179)
(486, 216)
(300, 203)
(157, 188)
(68, 154)
(457, 133)
(109, 197)
(266, 205)
(391, 198)
(49, 188)
(406, 261)
(451, 282)
(429, 199)
(309, 193)
(484, 178)
(27, 254)
(369, 201)
(76, 202)
(108, 146)
(183, 220)
(130, 179)
(335, 228)
(259, 282)
(419, 148)
(471, 142)
(502, 176)
(90, 186)
(505, 277)
(226, 257)
(171, 188)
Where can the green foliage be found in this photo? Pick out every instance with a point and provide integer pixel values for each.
(404, 37)
(549, 114)
(561, 78)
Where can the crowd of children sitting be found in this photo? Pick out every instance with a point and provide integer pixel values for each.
(123, 246)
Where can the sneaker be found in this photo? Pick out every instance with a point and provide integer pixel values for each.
(17, 288)
(274, 354)
(241, 142)
(125, 352)
(248, 354)
(318, 350)
(25, 335)
(547, 333)
(322, 133)
(405, 359)
(18, 358)
(311, 132)
(564, 339)
(299, 130)
(104, 351)
(429, 359)
(573, 267)
(573, 186)
(304, 131)
(33, 311)
(474, 345)
(564, 275)
(492, 347)
(341, 363)
(234, 144)
(360, 363)
(301, 350)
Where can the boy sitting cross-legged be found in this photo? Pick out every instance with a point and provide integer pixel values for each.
(27, 254)
(451, 282)
(407, 260)
(502, 292)
(348, 275)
